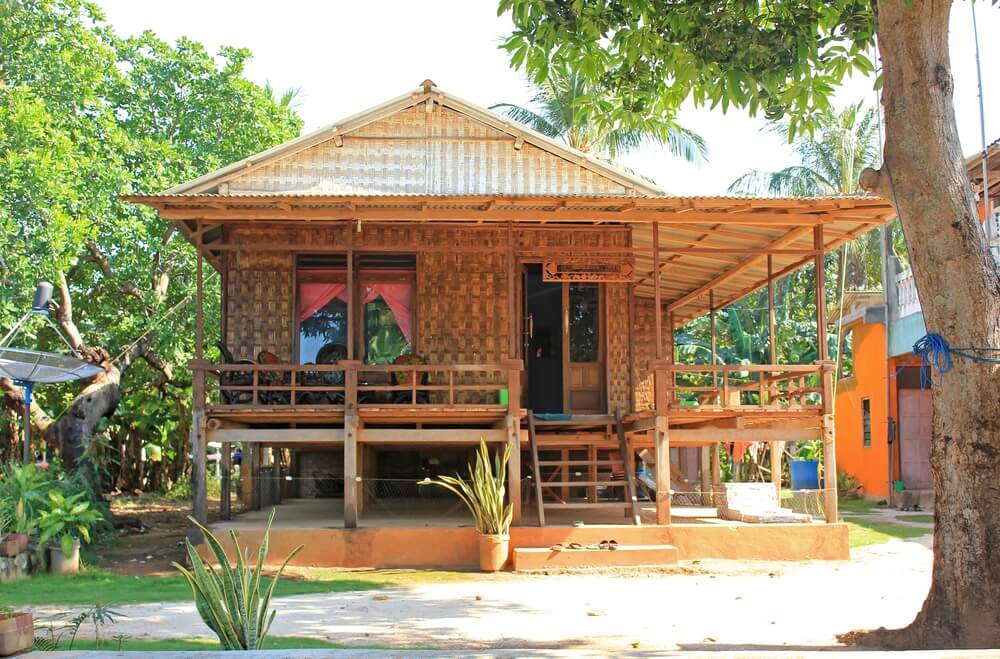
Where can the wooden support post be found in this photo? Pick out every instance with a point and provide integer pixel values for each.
(830, 504)
(351, 424)
(705, 474)
(351, 430)
(513, 425)
(199, 323)
(777, 448)
(513, 328)
(361, 470)
(661, 439)
(199, 466)
(772, 326)
(657, 299)
(350, 291)
(823, 349)
(514, 467)
(225, 489)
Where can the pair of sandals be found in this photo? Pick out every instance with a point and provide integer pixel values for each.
(607, 545)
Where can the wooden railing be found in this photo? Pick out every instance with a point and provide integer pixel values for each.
(349, 384)
(698, 387)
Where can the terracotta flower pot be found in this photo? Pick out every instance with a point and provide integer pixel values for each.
(17, 633)
(493, 552)
(13, 544)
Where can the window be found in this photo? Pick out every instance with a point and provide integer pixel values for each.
(322, 308)
(847, 354)
(866, 422)
(584, 323)
(387, 283)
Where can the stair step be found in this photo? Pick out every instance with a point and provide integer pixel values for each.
(619, 505)
(544, 558)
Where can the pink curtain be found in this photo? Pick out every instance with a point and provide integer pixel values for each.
(313, 296)
(399, 297)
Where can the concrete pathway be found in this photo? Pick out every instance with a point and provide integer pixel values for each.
(708, 605)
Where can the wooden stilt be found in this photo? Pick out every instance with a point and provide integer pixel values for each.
(225, 490)
(514, 467)
(661, 439)
(630, 496)
(351, 505)
(830, 503)
(199, 466)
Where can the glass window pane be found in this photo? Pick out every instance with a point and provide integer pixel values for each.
(388, 316)
(323, 334)
(584, 323)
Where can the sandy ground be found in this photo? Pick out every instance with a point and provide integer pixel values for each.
(708, 605)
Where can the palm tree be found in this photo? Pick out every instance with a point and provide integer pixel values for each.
(831, 165)
(594, 122)
(290, 98)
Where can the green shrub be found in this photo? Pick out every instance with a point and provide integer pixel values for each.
(848, 486)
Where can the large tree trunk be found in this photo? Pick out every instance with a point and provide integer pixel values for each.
(959, 289)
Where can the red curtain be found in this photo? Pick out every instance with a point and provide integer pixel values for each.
(313, 296)
(399, 297)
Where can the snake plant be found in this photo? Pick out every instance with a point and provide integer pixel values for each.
(232, 600)
(483, 492)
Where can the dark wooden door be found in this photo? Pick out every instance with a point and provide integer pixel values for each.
(584, 372)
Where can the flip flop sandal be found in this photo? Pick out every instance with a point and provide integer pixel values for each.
(556, 547)
(604, 544)
(575, 545)
(593, 547)
(612, 545)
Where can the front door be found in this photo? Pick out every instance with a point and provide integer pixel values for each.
(563, 345)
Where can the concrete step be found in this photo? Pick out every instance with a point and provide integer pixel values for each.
(545, 558)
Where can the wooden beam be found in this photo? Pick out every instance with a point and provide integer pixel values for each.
(437, 436)
(277, 435)
(657, 300)
(711, 435)
(789, 237)
(498, 213)
(823, 348)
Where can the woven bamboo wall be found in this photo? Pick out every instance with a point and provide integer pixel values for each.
(462, 298)
(644, 343)
(258, 305)
(388, 157)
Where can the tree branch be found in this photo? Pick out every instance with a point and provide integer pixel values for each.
(98, 257)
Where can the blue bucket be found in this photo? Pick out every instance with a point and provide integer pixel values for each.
(805, 474)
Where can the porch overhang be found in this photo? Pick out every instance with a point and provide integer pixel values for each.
(712, 250)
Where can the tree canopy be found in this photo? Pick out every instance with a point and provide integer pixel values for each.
(782, 59)
(86, 116)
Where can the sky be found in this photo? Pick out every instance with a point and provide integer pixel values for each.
(348, 56)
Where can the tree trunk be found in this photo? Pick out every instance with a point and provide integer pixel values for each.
(959, 289)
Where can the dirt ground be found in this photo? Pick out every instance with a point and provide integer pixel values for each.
(148, 551)
(706, 605)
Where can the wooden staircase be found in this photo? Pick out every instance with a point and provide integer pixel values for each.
(554, 483)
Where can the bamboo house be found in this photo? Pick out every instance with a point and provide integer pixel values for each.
(427, 273)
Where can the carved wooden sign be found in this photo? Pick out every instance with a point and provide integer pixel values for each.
(590, 270)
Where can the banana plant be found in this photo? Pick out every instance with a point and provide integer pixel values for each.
(232, 600)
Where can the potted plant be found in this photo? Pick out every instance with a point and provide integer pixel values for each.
(17, 631)
(69, 519)
(483, 494)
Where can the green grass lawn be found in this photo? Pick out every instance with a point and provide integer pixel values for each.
(864, 531)
(916, 519)
(180, 644)
(858, 506)
(94, 586)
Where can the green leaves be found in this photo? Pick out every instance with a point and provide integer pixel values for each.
(229, 599)
(782, 58)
